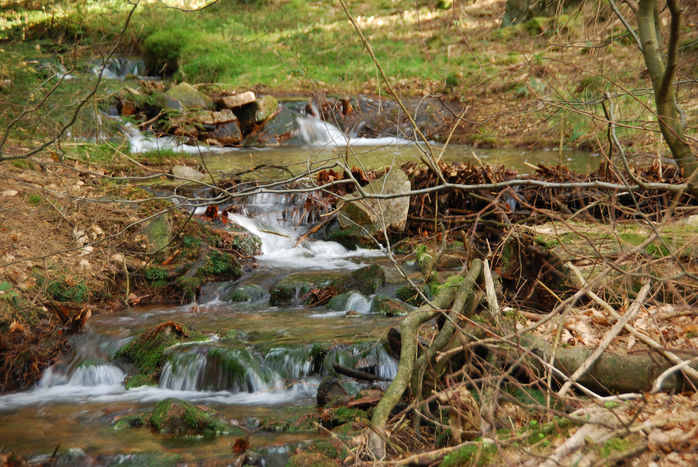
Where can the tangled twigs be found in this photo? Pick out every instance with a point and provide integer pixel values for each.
(464, 301)
(408, 353)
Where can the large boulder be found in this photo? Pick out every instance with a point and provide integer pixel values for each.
(372, 214)
(184, 97)
(366, 280)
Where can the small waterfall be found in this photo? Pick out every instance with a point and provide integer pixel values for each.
(84, 375)
(279, 221)
(358, 303)
(313, 131)
(217, 369)
(119, 68)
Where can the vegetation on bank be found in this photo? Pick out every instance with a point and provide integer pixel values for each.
(536, 83)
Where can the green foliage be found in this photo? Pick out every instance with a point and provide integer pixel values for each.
(161, 50)
(34, 199)
(156, 273)
(65, 290)
(220, 263)
(473, 454)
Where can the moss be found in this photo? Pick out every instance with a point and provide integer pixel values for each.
(156, 273)
(161, 51)
(615, 445)
(342, 415)
(34, 199)
(452, 281)
(146, 351)
(633, 238)
(65, 290)
(140, 380)
(129, 421)
(388, 306)
(188, 285)
(366, 280)
(409, 294)
(220, 263)
(183, 418)
(239, 295)
(474, 454)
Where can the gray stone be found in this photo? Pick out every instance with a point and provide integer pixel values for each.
(187, 173)
(159, 232)
(373, 213)
(238, 100)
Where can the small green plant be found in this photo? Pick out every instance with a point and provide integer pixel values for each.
(34, 199)
(65, 290)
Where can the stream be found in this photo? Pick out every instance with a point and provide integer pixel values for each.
(77, 402)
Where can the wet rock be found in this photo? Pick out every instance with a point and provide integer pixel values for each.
(238, 100)
(227, 133)
(292, 289)
(246, 293)
(159, 233)
(184, 96)
(266, 107)
(366, 280)
(184, 172)
(179, 417)
(388, 306)
(278, 130)
(351, 237)
(330, 392)
(339, 302)
(372, 214)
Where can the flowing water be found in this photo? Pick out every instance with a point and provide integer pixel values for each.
(258, 361)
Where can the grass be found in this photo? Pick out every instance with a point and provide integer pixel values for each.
(295, 45)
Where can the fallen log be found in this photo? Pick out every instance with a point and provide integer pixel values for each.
(356, 374)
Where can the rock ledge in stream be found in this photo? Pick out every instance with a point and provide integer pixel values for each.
(146, 351)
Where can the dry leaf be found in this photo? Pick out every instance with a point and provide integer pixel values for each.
(16, 327)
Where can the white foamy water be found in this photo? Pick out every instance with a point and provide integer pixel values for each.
(316, 132)
(275, 219)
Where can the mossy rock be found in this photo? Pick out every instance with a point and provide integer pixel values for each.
(246, 294)
(175, 416)
(351, 238)
(184, 96)
(409, 294)
(366, 280)
(339, 302)
(388, 306)
(146, 351)
(292, 289)
(221, 264)
(129, 421)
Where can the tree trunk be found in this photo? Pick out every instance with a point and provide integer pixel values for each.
(662, 72)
